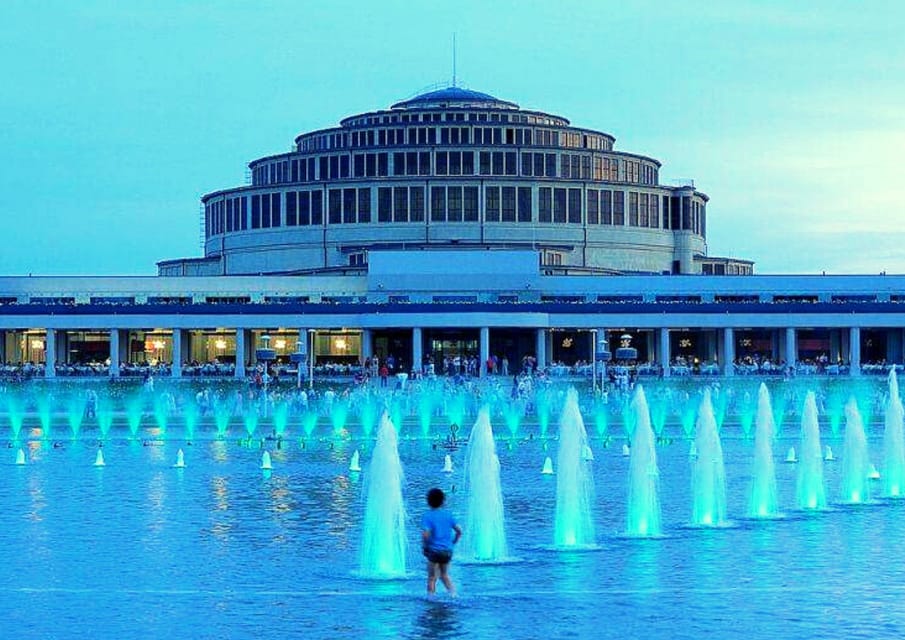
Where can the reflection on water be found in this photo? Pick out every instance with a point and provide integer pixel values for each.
(439, 619)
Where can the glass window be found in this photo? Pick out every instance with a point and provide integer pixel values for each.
(265, 211)
(398, 164)
(527, 164)
(349, 209)
(545, 205)
(370, 165)
(551, 165)
(416, 204)
(492, 204)
(256, 212)
(467, 163)
(384, 204)
(538, 164)
(304, 208)
(470, 204)
(364, 205)
(643, 212)
(455, 163)
(497, 167)
(334, 206)
(382, 161)
(524, 204)
(508, 204)
(511, 163)
(593, 206)
(411, 163)
(565, 166)
(619, 208)
(633, 209)
(442, 163)
(424, 163)
(559, 205)
(438, 204)
(485, 163)
(654, 211)
(454, 203)
(400, 204)
(322, 167)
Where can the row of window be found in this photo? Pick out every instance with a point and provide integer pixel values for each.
(456, 116)
(454, 163)
(557, 205)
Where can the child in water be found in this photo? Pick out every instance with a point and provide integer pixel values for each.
(439, 532)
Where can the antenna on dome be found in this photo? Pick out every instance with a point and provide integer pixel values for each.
(454, 60)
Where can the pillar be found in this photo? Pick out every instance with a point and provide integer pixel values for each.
(484, 351)
(728, 351)
(775, 347)
(367, 343)
(50, 354)
(650, 341)
(791, 347)
(417, 350)
(180, 343)
(241, 352)
(854, 346)
(540, 348)
(115, 335)
(61, 354)
(2, 347)
(664, 350)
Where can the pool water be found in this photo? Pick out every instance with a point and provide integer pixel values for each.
(221, 549)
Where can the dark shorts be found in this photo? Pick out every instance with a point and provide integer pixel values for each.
(440, 556)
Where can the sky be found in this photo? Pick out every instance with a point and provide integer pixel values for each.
(115, 117)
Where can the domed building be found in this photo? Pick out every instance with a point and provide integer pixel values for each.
(455, 169)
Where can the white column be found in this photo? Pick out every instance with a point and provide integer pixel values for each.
(664, 350)
(791, 347)
(241, 352)
(417, 350)
(484, 350)
(541, 348)
(50, 353)
(728, 351)
(114, 352)
(367, 347)
(854, 346)
(178, 348)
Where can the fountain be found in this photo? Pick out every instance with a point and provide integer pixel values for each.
(447, 464)
(574, 525)
(893, 442)
(791, 457)
(355, 462)
(547, 469)
(485, 531)
(626, 451)
(763, 502)
(856, 466)
(180, 460)
(266, 463)
(20, 457)
(809, 487)
(643, 512)
(708, 474)
(99, 459)
(383, 546)
(828, 454)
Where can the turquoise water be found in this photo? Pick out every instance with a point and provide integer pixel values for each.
(139, 549)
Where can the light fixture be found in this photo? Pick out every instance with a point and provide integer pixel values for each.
(340, 344)
(159, 345)
(220, 343)
(37, 344)
(279, 343)
(567, 343)
(685, 343)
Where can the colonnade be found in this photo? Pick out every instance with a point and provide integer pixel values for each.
(721, 344)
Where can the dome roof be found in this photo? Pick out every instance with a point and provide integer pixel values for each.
(454, 96)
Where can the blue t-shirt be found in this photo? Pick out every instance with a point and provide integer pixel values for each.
(440, 523)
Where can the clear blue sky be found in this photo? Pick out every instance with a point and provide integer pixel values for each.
(116, 116)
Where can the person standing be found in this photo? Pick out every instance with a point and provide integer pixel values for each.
(439, 533)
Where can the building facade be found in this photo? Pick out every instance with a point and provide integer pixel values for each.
(455, 169)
